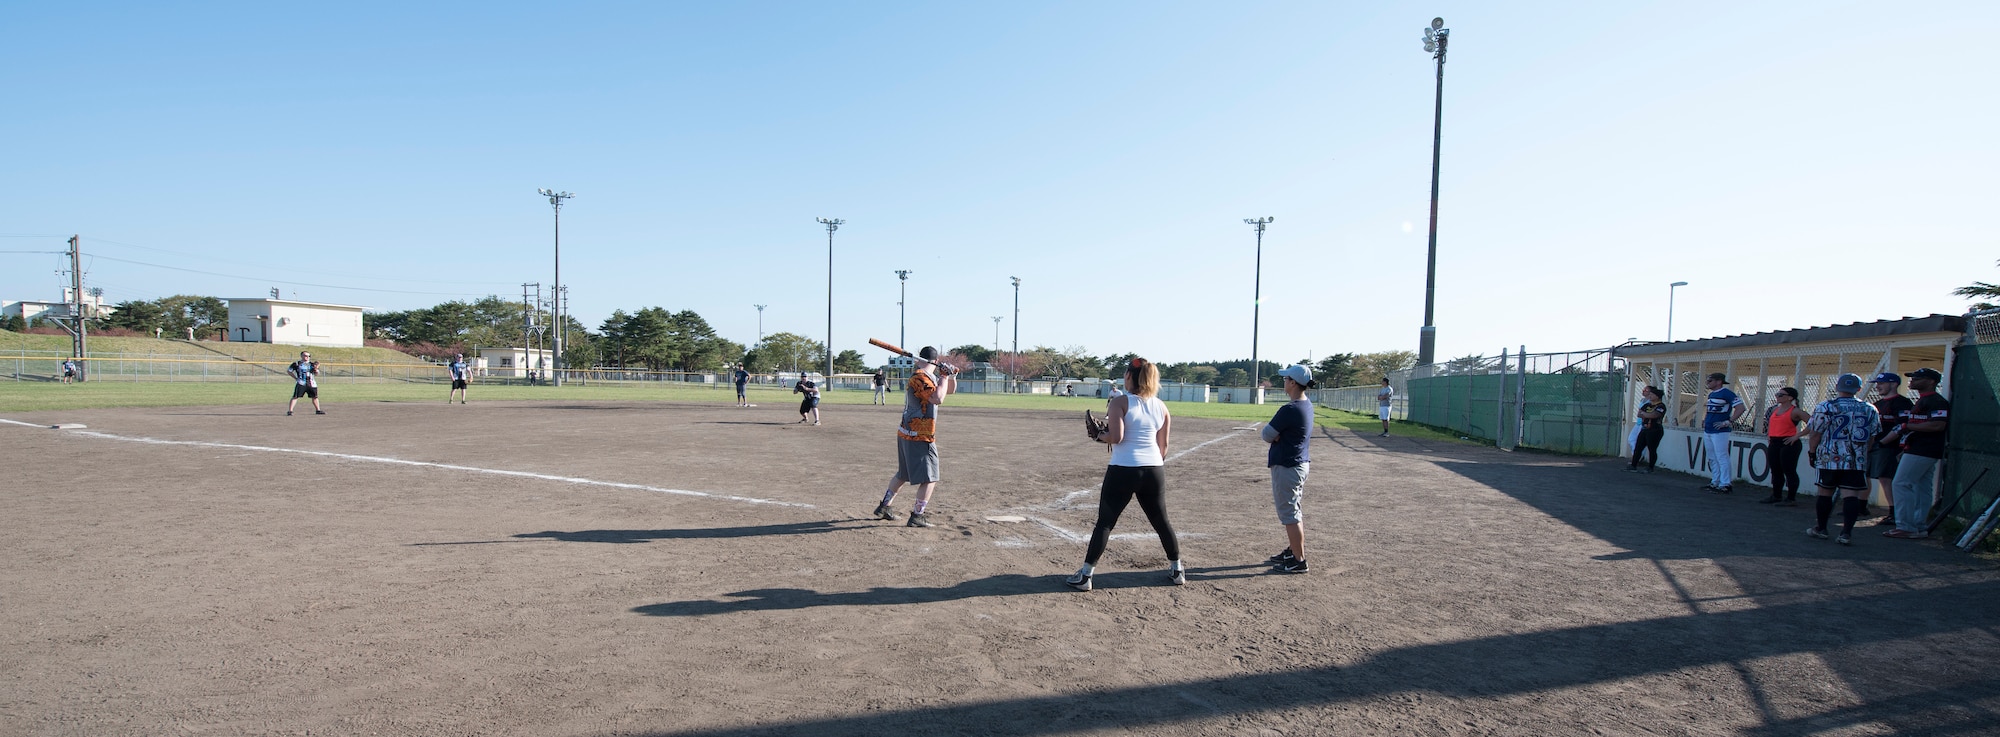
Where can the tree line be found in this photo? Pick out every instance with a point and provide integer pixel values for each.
(1339, 369)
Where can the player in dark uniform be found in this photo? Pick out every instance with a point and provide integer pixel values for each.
(1651, 429)
(808, 407)
(1923, 449)
(1884, 454)
(305, 375)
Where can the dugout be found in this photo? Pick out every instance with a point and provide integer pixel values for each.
(1758, 364)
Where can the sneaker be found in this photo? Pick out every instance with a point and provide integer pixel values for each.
(1816, 533)
(815, 423)
(1177, 577)
(288, 413)
(1721, 489)
(1709, 487)
(1772, 499)
(1383, 435)
(919, 520)
(1296, 565)
(319, 411)
(1901, 534)
(1843, 539)
(1283, 556)
(1079, 582)
(882, 511)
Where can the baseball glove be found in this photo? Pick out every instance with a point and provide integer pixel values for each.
(1094, 427)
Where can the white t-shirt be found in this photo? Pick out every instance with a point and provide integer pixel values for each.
(1144, 416)
(1383, 397)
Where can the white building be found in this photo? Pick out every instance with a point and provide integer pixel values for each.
(510, 361)
(28, 309)
(267, 320)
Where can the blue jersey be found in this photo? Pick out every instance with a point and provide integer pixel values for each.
(1720, 402)
(457, 369)
(1844, 426)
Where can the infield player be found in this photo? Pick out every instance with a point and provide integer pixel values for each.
(916, 437)
(1839, 433)
(1136, 427)
(305, 375)
(742, 378)
(461, 377)
(1383, 400)
(808, 407)
(1290, 458)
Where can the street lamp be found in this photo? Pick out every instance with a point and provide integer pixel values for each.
(996, 332)
(1256, 306)
(1435, 39)
(1015, 362)
(902, 312)
(555, 364)
(831, 225)
(1670, 308)
(760, 322)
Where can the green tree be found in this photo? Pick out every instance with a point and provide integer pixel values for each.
(13, 323)
(1982, 291)
(790, 352)
(849, 362)
(1371, 367)
(974, 352)
(1235, 377)
(1336, 370)
(137, 314)
(1203, 374)
(184, 311)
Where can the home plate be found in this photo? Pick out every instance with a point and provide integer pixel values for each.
(1006, 518)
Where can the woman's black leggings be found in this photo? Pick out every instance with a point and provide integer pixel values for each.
(1121, 483)
(1648, 445)
(1784, 464)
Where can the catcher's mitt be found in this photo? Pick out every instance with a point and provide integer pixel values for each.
(1094, 427)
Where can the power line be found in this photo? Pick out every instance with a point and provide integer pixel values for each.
(59, 253)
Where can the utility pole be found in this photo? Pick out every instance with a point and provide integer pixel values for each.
(1256, 307)
(760, 322)
(903, 311)
(831, 225)
(1014, 364)
(1435, 38)
(555, 289)
(79, 334)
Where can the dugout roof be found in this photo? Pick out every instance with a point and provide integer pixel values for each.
(1853, 331)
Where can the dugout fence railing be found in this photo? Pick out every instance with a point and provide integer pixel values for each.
(1568, 402)
(1972, 442)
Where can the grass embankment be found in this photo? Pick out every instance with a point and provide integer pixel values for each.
(21, 396)
(260, 352)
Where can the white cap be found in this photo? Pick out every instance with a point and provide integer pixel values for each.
(1299, 373)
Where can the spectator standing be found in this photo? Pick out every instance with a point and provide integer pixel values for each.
(1923, 447)
(1781, 443)
(1839, 432)
(1383, 399)
(1651, 426)
(1719, 418)
(1883, 453)
(1289, 459)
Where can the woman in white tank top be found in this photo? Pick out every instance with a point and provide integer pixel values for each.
(1139, 425)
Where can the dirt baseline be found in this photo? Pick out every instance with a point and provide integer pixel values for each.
(656, 569)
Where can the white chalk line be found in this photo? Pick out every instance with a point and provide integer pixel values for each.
(1068, 499)
(23, 424)
(427, 464)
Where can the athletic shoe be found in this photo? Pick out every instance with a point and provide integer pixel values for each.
(882, 511)
(1177, 577)
(1901, 534)
(1816, 533)
(1296, 565)
(319, 411)
(815, 423)
(1709, 487)
(1843, 539)
(1383, 435)
(1080, 582)
(1772, 499)
(288, 413)
(919, 520)
(1722, 489)
(1283, 556)
(1789, 502)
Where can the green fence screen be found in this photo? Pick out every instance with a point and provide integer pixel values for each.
(1576, 412)
(1973, 441)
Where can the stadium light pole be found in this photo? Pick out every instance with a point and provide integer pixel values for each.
(1256, 306)
(1670, 308)
(555, 303)
(996, 332)
(1435, 39)
(902, 312)
(1017, 321)
(760, 322)
(831, 225)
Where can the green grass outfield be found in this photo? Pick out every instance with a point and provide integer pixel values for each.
(262, 352)
(21, 396)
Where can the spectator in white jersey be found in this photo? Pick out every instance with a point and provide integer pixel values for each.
(305, 378)
(1383, 400)
(1838, 434)
(461, 377)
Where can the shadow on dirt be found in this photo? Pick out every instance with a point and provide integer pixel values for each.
(698, 533)
(1481, 668)
(758, 600)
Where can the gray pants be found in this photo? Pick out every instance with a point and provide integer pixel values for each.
(1288, 488)
(1915, 477)
(916, 462)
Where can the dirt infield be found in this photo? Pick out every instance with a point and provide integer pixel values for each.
(660, 569)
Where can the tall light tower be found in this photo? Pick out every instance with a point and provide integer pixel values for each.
(1435, 39)
(996, 332)
(1256, 306)
(902, 312)
(555, 302)
(831, 225)
(1015, 363)
(1670, 308)
(760, 322)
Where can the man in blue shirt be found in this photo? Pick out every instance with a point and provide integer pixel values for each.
(1290, 459)
(461, 377)
(1719, 418)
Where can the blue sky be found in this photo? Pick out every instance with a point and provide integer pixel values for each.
(1799, 163)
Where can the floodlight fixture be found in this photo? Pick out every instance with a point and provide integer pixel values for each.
(1437, 24)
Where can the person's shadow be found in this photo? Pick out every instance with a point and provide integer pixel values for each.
(699, 533)
(756, 600)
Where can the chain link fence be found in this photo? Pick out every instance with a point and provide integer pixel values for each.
(1570, 402)
(1972, 442)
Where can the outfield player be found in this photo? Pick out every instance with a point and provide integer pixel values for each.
(881, 387)
(305, 374)
(742, 378)
(916, 437)
(69, 371)
(1138, 424)
(1383, 400)
(1721, 412)
(1839, 433)
(808, 407)
(1290, 459)
(461, 377)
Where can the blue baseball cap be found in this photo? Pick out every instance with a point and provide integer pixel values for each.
(1887, 377)
(1849, 383)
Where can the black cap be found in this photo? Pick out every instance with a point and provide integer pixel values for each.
(1719, 376)
(1926, 373)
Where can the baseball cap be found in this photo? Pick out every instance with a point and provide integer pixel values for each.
(1299, 373)
(1926, 373)
(1719, 376)
(1887, 377)
(1849, 383)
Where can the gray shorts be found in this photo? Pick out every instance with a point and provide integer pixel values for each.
(1288, 485)
(916, 462)
(1882, 461)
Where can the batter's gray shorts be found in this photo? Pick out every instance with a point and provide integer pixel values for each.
(916, 462)
(1288, 485)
